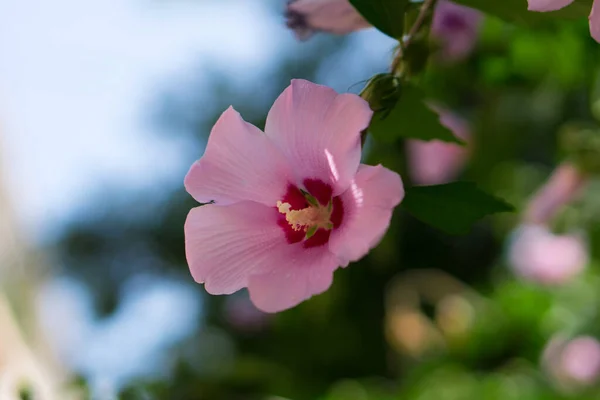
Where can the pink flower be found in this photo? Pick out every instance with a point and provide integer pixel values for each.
(290, 204)
(335, 16)
(454, 26)
(564, 185)
(537, 255)
(581, 359)
(436, 162)
(573, 363)
(552, 5)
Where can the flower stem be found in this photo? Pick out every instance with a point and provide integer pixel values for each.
(407, 40)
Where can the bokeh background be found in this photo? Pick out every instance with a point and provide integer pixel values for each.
(104, 105)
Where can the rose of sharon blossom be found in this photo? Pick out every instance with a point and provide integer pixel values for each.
(553, 5)
(537, 255)
(454, 26)
(435, 162)
(290, 204)
(335, 16)
(581, 359)
(573, 363)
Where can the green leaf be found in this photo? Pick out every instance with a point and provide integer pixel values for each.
(410, 118)
(452, 207)
(516, 10)
(385, 15)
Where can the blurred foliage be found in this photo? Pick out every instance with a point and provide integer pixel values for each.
(425, 315)
(451, 207)
(406, 117)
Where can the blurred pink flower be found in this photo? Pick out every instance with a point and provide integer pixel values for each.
(552, 5)
(573, 363)
(305, 17)
(290, 204)
(581, 359)
(537, 255)
(436, 162)
(454, 26)
(243, 315)
(563, 186)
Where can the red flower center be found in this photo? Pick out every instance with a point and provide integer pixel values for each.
(297, 200)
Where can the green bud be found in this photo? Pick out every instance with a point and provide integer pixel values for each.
(381, 92)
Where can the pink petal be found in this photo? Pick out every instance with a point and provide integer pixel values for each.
(564, 185)
(595, 21)
(547, 5)
(581, 359)
(225, 244)
(537, 255)
(456, 28)
(308, 272)
(318, 131)
(368, 206)
(240, 163)
(436, 162)
(335, 16)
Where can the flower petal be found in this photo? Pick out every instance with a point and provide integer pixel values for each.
(595, 21)
(368, 206)
(318, 131)
(564, 186)
(240, 163)
(435, 162)
(307, 273)
(335, 16)
(456, 29)
(536, 254)
(547, 5)
(225, 244)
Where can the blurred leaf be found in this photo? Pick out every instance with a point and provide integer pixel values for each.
(410, 118)
(516, 10)
(452, 207)
(385, 15)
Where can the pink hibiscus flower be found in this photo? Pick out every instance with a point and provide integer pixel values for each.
(538, 255)
(572, 363)
(553, 5)
(291, 204)
(435, 162)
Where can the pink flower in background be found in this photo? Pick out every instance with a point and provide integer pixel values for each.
(334, 16)
(243, 315)
(553, 5)
(290, 204)
(573, 363)
(454, 26)
(581, 359)
(537, 255)
(564, 185)
(435, 162)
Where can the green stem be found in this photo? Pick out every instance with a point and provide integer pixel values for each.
(414, 30)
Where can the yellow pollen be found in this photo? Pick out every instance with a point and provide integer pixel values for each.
(311, 216)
